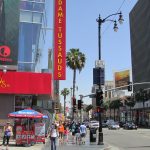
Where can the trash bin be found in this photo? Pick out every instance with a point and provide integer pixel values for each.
(93, 134)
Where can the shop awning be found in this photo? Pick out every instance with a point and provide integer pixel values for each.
(25, 83)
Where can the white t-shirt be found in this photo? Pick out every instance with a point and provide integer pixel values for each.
(82, 128)
(53, 133)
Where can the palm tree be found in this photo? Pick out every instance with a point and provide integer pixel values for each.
(75, 61)
(115, 105)
(107, 106)
(130, 102)
(65, 92)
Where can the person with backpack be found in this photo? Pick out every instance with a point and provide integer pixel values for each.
(77, 133)
(72, 129)
(53, 136)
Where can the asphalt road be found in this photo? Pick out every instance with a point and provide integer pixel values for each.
(128, 139)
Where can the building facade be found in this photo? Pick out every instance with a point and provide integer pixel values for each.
(23, 83)
(140, 46)
(140, 52)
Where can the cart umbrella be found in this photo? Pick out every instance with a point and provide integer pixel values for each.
(27, 113)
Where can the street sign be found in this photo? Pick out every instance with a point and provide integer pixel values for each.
(99, 64)
(98, 76)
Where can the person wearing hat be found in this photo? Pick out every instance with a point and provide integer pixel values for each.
(7, 133)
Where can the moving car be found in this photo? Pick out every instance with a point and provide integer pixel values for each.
(130, 125)
(114, 125)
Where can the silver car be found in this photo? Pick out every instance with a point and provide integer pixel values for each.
(94, 124)
(114, 126)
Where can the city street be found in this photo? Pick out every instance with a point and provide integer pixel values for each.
(128, 139)
(113, 140)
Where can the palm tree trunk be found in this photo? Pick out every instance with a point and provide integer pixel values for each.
(144, 112)
(74, 82)
(130, 114)
(65, 107)
(110, 113)
(114, 114)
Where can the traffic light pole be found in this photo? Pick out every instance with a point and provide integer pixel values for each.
(100, 135)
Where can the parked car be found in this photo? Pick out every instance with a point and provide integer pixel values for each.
(130, 125)
(121, 124)
(114, 125)
(94, 124)
(104, 124)
(110, 121)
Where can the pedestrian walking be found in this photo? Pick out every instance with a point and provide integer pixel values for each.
(53, 136)
(83, 132)
(61, 132)
(8, 132)
(66, 132)
(77, 133)
(72, 129)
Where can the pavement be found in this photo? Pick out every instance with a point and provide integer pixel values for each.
(69, 146)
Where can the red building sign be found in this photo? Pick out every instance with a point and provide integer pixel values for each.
(60, 40)
(25, 83)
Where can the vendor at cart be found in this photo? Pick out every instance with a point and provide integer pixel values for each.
(8, 132)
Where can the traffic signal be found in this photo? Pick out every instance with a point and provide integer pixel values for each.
(98, 109)
(80, 104)
(99, 97)
(74, 101)
(129, 86)
(74, 109)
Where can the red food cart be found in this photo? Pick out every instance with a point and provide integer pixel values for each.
(28, 134)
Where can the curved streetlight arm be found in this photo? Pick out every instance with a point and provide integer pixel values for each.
(111, 15)
(106, 19)
(110, 20)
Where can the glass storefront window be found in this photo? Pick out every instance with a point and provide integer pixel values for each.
(25, 16)
(38, 7)
(22, 102)
(37, 17)
(32, 6)
(26, 5)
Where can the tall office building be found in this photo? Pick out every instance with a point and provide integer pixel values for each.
(23, 83)
(140, 45)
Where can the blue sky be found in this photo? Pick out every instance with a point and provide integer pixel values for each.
(82, 33)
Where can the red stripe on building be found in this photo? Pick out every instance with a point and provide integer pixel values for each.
(25, 83)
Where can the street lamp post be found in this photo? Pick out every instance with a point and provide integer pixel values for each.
(100, 21)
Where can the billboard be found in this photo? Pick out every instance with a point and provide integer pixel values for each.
(122, 78)
(60, 40)
(9, 32)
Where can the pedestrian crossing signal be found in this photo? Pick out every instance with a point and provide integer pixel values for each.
(129, 86)
(99, 97)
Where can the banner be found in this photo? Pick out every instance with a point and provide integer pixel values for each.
(60, 40)
(25, 83)
(9, 33)
(122, 78)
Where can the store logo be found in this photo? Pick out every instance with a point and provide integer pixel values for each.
(3, 83)
(4, 51)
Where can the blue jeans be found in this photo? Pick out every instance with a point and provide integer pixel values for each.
(53, 143)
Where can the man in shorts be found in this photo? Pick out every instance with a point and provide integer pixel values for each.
(83, 133)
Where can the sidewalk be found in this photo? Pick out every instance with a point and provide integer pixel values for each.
(68, 146)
